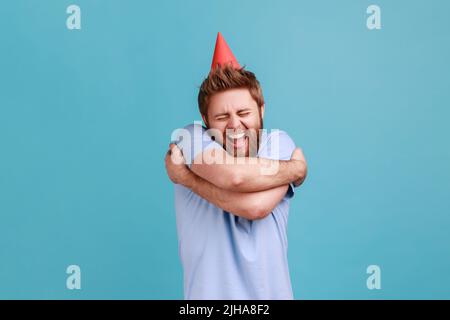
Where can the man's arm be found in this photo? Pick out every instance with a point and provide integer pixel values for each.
(249, 205)
(255, 174)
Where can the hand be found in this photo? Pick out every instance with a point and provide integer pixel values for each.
(176, 168)
(299, 157)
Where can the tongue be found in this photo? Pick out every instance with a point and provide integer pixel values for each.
(239, 143)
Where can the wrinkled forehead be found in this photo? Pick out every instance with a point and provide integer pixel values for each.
(231, 101)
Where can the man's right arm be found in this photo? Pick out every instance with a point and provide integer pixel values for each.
(249, 205)
(215, 165)
(255, 174)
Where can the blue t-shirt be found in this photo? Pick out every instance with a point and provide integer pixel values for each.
(225, 256)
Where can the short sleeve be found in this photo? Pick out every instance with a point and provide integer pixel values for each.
(277, 145)
(193, 139)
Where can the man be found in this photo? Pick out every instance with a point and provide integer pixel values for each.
(232, 215)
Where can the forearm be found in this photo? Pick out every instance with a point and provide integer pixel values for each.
(265, 174)
(250, 205)
(247, 174)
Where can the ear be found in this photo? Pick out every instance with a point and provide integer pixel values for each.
(262, 111)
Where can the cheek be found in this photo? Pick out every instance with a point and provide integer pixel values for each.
(220, 126)
(217, 125)
(253, 121)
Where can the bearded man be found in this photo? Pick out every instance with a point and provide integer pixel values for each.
(233, 182)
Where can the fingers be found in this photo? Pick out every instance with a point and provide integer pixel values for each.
(171, 147)
(297, 154)
(175, 154)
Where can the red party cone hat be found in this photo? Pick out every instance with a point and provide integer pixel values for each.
(223, 55)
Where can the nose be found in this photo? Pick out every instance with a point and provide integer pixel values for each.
(233, 122)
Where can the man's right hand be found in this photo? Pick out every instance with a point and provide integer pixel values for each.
(176, 168)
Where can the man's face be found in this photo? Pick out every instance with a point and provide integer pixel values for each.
(238, 118)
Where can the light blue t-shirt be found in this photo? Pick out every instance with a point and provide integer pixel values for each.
(225, 256)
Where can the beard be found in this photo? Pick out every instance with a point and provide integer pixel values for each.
(243, 143)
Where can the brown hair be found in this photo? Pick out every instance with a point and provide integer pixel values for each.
(224, 78)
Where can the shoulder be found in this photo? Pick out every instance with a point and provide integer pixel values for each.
(275, 134)
(194, 126)
(276, 144)
(187, 133)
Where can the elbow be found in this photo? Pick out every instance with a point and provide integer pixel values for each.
(303, 170)
(258, 212)
(301, 173)
(234, 181)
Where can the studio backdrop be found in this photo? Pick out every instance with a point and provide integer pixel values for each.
(91, 91)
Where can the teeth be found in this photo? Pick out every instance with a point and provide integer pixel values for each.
(236, 135)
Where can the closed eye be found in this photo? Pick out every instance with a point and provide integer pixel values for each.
(219, 118)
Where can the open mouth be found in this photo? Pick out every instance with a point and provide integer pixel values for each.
(237, 140)
(233, 136)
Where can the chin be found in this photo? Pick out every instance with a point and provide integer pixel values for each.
(241, 153)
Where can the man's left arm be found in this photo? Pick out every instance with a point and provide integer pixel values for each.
(249, 205)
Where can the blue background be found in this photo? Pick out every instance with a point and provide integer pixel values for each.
(86, 117)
